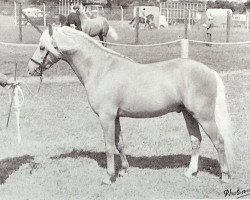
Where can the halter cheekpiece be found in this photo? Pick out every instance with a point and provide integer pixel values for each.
(41, 65)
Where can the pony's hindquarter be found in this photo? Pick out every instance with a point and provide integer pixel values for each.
(222, 119)
(205, 103)
(113, 33)
(218, 128)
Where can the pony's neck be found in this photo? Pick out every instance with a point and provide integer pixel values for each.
(90, 62)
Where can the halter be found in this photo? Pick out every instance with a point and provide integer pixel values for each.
(41, 68)
(41, 65)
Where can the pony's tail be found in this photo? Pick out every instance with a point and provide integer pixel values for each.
(113, 33)
(223, 121)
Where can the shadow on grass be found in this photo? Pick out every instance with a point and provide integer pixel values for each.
(154, 162)
(10, 165)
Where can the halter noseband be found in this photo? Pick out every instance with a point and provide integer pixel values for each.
(41, 65)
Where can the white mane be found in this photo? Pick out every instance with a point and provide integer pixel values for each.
(70, 32)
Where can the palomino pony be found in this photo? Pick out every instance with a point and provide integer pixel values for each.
(98, 26)
(116, 86)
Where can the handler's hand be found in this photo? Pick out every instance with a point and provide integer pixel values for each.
(12, 82)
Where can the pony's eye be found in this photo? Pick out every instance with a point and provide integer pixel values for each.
(42, 48)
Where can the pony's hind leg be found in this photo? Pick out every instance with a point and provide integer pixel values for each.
(120, 147)
(211, 129)
(195, 137)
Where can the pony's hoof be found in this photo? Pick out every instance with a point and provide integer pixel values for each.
(106, 181)
(123, 172)
(190, 174)
(225, 178)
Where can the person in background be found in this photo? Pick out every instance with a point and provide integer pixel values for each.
(144, 14)
(73, 20)
(209, 27)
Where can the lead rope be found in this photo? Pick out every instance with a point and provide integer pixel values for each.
(40, 83)
(17, 104)
(14, 99)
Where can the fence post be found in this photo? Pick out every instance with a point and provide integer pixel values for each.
(228, 25)
(137, 26)
(68, 7)
(184, 48)
(168, 14)
(44, 15)
(122, 16)
(186, 24)
(59, 7)
(20, 22)
(189, 18)
(160, 8)
(247, 19)
(15, 15)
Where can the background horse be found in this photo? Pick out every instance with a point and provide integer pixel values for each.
(149, 21)
(98, 26)
(116, 86)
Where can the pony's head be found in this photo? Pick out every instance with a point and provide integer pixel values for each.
(52, 47)
(46, 54)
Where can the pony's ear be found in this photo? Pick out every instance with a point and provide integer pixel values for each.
(50, 30)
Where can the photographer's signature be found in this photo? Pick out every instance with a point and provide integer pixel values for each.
(238, 193)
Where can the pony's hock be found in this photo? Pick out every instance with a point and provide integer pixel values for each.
(119, 87)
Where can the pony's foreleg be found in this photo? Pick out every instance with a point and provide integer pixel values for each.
(104, 40)
(108, 126)
(195, 137)
(101, 37)
(120, 147)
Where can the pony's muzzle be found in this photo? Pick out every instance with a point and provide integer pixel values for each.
(33, 70)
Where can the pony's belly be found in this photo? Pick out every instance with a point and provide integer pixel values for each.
(149, 107)
(148, 112)
(150, 99)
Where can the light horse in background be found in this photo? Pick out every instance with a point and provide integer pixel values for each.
(149, 22)
(98, 26)
(116, 87)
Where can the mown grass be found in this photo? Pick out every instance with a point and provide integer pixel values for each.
(60, 130)
(58, 123)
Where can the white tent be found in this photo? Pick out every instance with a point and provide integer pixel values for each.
(219, 16)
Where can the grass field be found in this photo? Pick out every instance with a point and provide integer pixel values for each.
(62, 157)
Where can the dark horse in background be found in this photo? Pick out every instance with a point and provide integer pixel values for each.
(149, 21)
